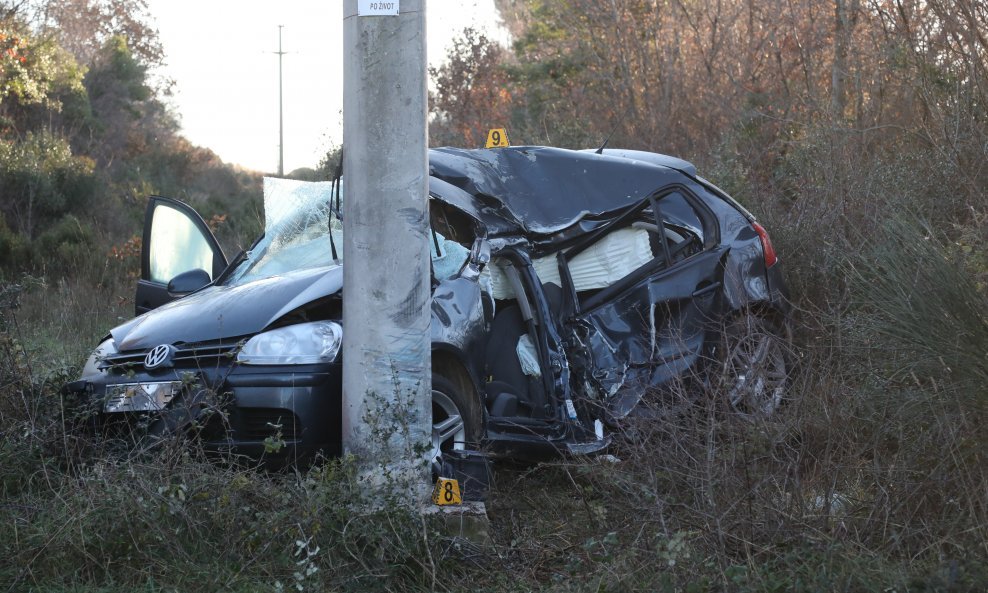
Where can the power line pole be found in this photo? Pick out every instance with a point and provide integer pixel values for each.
(281, 111)
(387, 392)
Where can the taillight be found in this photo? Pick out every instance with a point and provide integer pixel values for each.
(767, 249)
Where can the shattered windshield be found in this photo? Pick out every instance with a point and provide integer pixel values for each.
(296, 231)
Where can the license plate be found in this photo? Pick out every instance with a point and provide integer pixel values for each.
(140, 397)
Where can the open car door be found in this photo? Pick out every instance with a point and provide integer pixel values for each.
(179, 254)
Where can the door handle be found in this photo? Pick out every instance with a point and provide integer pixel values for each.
(706, 289)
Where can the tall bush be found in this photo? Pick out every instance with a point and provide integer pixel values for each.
(42, 181)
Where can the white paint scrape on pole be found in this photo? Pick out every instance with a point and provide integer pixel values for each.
(386, 289)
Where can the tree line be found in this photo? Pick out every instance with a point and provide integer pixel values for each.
(747, 83)
(762, 93)
(87, 132)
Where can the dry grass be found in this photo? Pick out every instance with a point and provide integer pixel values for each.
(872, 477)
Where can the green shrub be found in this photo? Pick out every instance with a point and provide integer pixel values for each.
(922, 310)
(66, 245)
(42, 180)
(13, 250)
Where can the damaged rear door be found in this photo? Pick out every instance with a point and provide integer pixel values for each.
(649, 320)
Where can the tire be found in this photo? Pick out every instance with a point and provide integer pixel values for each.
(755, 365)
(456, 418)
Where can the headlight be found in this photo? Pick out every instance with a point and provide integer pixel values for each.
(304, 343)
(107, 348)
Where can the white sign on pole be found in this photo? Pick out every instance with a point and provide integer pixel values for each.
(377, 7)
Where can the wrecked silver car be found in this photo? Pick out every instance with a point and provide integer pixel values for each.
(566, 285)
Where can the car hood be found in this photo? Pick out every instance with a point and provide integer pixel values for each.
(219, 312)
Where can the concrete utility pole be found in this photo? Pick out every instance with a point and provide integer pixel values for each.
(386, 293)
(281, 111)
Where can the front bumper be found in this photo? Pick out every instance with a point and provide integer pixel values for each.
(274, 413)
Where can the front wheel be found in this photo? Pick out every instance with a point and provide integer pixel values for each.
(455, 418)
(755, 365)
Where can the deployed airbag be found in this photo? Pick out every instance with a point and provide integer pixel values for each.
(602, 264)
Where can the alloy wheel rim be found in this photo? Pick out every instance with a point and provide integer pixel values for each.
(449, 431)
(758, 366)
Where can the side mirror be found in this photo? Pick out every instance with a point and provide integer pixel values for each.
(480, 253)
(187, 282)
(480, 256)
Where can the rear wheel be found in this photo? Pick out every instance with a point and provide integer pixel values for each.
(455, 418)
(755, 365)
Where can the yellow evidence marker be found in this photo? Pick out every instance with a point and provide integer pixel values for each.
(497, 138)
(447, 491)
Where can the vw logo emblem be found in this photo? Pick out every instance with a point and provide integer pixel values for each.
(158, 356)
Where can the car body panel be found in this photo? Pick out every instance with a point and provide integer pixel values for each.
(545, 190)
(218, 312)
(458, 320)
(649, 157)
(654, 329)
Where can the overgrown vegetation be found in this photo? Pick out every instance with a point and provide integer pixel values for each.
(86, 135)
(855, 130)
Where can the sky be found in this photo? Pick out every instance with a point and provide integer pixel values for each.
(221, 56)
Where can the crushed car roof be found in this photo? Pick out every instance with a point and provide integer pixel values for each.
(544, 190)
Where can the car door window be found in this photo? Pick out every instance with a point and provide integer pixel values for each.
(176, 245)
(175, 240)
(682, 227)
(677, 211)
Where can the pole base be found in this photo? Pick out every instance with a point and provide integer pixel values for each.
(467, 521)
